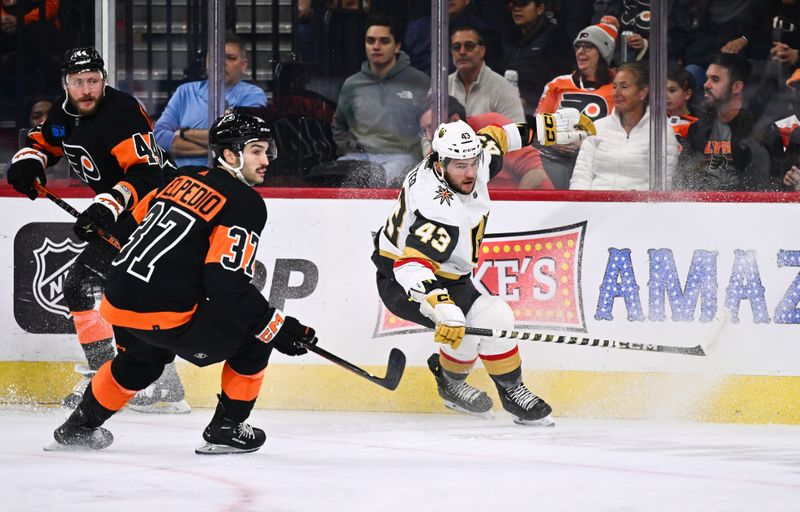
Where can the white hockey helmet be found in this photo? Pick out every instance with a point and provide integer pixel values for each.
(456, 141)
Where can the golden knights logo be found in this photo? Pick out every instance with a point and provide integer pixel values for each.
(444, 195)
(53, 261)
(43, 253)
(536, 272)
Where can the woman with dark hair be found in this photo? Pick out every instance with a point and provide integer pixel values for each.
(588, 89)
(618, 157)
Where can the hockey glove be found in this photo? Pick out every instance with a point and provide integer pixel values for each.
(449, 319)
(27, 165)
(287, 335)
(565, 126)
(102, 213)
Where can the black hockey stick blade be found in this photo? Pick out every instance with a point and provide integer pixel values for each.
(102, 233)
(394, 368)
(568, 339)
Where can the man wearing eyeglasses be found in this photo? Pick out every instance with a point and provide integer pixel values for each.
(107, 137)
(474, 84)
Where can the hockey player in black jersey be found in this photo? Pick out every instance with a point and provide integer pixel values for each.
(107, 137)
(181, 286)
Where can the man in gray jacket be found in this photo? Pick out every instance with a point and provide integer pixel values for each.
(376, 117)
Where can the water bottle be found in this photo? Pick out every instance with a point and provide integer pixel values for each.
(623, 45)
(513, 77)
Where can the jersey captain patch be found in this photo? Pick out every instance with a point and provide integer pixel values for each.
(444, 195)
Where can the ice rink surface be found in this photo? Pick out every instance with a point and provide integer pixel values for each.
(328, 461)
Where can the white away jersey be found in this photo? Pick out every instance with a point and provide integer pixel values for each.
(432, 222)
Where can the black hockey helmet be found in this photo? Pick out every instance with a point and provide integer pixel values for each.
(234, 130)
(84, 58)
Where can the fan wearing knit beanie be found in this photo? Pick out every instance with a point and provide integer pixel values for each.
(588, 89)
(602, 36)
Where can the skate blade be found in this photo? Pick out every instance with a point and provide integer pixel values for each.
(221, 449)
(55, 446)
(487, 415)
(547, 421)
(179, 407)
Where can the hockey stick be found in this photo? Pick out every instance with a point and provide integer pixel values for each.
(102, 233)
(567, 339)
(394, 368)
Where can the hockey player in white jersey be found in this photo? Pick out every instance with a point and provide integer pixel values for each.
(427, 249)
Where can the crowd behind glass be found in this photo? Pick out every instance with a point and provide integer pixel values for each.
(353, 107)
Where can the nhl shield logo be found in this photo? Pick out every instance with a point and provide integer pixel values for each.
(53, 261)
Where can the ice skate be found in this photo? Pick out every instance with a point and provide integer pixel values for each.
(458, 395)
(164, 396)
(524, 406)
(225, 436)
(75, 434)
(72, 400)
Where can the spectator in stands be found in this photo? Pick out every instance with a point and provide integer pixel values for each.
(618, 157)
(539, 50)
(588, 89)
(680, 94)
(522, 169)
(474, 84)
(700, 30)
(720, 151)
(376, 116)
(634, 23)
(781, 28)
(35, 112)
(182, 128)
(782, 137)
(418, 37)
(573, 15)
(783, 144)
(25, 30)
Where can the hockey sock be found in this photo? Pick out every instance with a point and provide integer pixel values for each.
(108, 392)
(95, 336)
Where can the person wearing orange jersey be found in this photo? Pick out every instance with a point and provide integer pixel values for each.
(588, 90)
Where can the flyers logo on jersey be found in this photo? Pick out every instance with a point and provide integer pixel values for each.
(592, 105)
(535, 272)
(81, 162)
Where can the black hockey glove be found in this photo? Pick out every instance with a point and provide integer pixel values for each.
(102, 213)
(26, 166)
(287, 335)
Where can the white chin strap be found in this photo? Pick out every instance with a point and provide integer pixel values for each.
(237, 171)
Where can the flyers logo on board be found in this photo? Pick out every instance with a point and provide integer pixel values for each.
(536, 272)
(81, 162)
(53, 260)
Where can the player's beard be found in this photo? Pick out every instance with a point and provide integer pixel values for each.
(85, 111)
(461, 188)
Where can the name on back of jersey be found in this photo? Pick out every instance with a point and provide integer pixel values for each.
(195, 196)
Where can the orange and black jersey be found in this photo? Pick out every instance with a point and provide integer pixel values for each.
(114, 144)
(196, 240)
